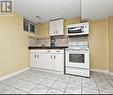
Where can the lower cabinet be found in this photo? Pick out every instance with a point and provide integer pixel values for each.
(33, 59)
(41, 60)
(58, 62)
(47, 60)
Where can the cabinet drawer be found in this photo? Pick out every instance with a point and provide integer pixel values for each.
(54, 51)
(47, 51)
(58, 51)
(41, 51)
(76, 71)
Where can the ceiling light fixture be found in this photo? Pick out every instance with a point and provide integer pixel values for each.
(56, 19)
(38, 17)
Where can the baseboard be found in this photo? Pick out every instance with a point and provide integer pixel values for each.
(46, 70)
(12, 74)
(101, 71)
(111, 73)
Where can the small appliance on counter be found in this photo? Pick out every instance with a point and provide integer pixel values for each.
(77, 59)
(52, 44)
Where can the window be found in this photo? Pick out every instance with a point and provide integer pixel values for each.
(32, 28)
(26, 28)
(29, 26)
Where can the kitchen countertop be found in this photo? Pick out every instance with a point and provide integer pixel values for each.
(57, 47)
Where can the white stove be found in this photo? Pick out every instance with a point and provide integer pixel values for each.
(77, 59)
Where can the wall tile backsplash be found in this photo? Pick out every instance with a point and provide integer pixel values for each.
(59, 40)
(39, 41)
(32, 41)
(78, 39)
(43, 41)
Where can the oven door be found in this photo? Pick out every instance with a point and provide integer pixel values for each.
(77, 59)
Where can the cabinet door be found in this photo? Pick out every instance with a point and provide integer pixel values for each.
(56, 27)
(41, 60)
(45, 61)
(49, 61)
(59, 62)
(33, 59)
(60, 27)
(52, 28)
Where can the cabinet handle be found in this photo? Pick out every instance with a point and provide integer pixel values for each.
(51, 56)
(56, 32)
(48, 51)
(58, 51)
(35, 55)
(54, 57)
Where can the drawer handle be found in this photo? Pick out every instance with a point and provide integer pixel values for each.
(48, 51)
(58, 51)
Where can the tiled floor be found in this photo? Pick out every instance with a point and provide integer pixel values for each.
(40, 82)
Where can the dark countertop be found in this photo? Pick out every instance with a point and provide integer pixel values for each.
(57, 47)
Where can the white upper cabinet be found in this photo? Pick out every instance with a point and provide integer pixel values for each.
(56, 27)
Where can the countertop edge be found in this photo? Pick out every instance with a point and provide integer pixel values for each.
(33, 47)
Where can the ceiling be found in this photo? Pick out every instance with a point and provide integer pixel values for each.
(96, 9)
(54, 9)
(47, 9)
